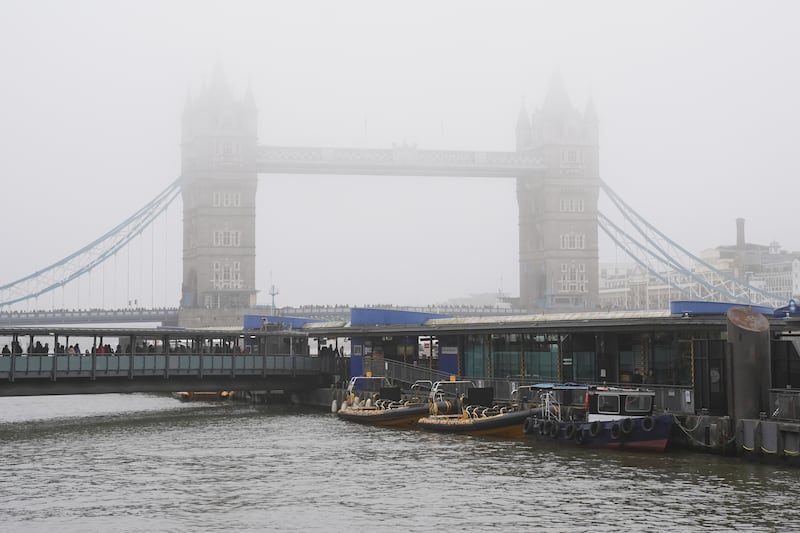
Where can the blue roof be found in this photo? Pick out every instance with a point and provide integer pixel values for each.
(792, 309)
(689, 307)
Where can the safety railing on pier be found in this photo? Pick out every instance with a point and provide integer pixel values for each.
(58, 367)
(785, 404)
(403, 373)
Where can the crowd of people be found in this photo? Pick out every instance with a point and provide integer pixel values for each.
(44, 349)
(38, 348)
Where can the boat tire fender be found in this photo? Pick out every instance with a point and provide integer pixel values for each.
(528, 426)
(544, 428)
(616, 430)
(594, 428)
(648, 423)
(626, 426)
(554, 427)
(569, 431)
(579, 435)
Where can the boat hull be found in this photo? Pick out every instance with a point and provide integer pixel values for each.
(403, 417)
(643, 434)
(507, 425)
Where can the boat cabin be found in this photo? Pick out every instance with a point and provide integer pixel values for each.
(563, 394)
(609, 403)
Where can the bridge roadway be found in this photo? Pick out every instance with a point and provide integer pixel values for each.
(251, 361)
(402, 160)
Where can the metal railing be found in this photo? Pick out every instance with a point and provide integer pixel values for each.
(60, 367)
(407, 374)
(785, 404)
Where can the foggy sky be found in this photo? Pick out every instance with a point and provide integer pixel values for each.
(697, 101)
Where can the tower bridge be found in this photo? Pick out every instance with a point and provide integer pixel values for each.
(555, 166)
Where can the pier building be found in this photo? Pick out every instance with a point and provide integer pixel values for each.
(696, 357)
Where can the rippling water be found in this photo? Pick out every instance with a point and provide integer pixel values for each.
(150, 463)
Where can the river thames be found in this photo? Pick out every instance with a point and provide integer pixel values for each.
(149, 463)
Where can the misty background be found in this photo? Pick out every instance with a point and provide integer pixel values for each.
(697, 102)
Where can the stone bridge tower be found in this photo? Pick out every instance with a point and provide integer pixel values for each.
(558, 248)
(219, 179)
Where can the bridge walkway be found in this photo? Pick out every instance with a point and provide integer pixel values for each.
(83, 374)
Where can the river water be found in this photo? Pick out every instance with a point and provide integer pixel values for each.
(149, 463)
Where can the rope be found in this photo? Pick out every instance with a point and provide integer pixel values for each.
(688, 432)
(691, 352)
(700, 419)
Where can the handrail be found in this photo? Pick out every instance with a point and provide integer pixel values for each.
(408, 374)
(46, 369)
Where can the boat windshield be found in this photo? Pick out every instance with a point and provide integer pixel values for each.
(422, 385)
(566, 394)
(367, 384)
(625, 402)
(608, 404)
(450, 389)
(638, 403)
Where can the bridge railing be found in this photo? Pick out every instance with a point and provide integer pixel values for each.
(55, 367)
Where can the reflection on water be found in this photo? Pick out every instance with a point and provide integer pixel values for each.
(150, 463)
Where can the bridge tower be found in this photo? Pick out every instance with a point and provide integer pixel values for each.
(219, 179)
(558, 247)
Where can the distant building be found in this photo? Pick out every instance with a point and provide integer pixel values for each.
(764, 267)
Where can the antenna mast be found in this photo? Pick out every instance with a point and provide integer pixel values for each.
(273, 291)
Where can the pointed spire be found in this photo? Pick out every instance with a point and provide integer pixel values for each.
(522, 119)
(249, 99)
(188, 103)
(557, 100)
(590, 113)
(524, 132)
(218, 87)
